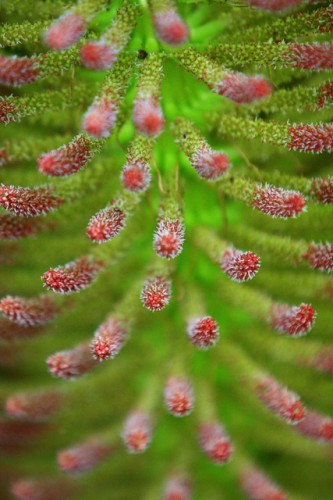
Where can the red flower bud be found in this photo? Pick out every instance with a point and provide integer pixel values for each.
(320, 256)
(323, 189)
(136, 176)
(169, 238)
(203, 332)
(156, 293)
(72, 363)
(312, 56)
(242, 88)
(148, 117)
(240, 266)
(98, 55)
(278, 202)
(18, 70)
(28, 202)
(65, 31)
(177, 488)
(109, 338)
(179, 396)
(209, 164)
(29, 312)
(313, 138)
(292, 320)
(283, 402)
(258, 486)
(106, 224)
(137, 432)
(100, 118)
(33, 407)
(317, 426)
(82, 457)
(170, 28)
(215, 443)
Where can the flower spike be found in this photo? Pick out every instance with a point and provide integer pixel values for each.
(29, 312)
(240, 266)
(292, 320)
(215, 443)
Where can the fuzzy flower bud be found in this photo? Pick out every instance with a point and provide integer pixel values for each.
(136, 176)
(100, 118)
(67, 159)
(292, 320)
(179, 396)
(169, 238)
(13, 227)
(240, 266)
(283, 402)
(148, 117)
(29, 312)
(320, 256)
(109, 338)
(170, 28)
(312, 138)
(72, 363)
(177, 488)
(322, 189)
(74, 276)
(242, 88)
(65, 31)
(28, 202)
(156, 293)
(317, 426)
(209, 164)
(312, 56)
(45, 489)
(137, 432)
(82, 457)
(257, 486)
(98, 55)
(278, 202)
(106, 224)
(215, 443)
(33, 407)
(203, 332)
(17, 71)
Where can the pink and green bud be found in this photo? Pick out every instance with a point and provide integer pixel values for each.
(137, 432)
(320, 256)
(203, 332)
(169, 238)
(311, 138)
(240, 266)
(15, 71)
(215, 443)
(28, 202)
(179, 396)
(72, 363)
(37, 311)
(106, 224)
(281, 401)
(156, 293)
(109, 338)
(278, 202)
(294, 321)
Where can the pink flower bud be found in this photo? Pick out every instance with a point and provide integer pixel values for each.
(320, 256)
(273, 6)
(100, 118)
(17, 71)
(240, 266)
(317, 426)
(13, 227)
(109, 338)
(203, 332)
(177, 488)
(242, 88)
(170, 28)
(74, 276)
(323, 189)
(313, 138)
(44, 489)
(148, 117)
(278, 202)
(169, 238)
(292, 320)
(98, 55)
(67, 159)
(215, 443)
(29, 312)
(209, 164)
(136, 176)
(106, 224)
(283, 402)
(72, 363)
(137, 432)
(258, 486)
(65, 31)
(156, 293)
(28, 202)
(33, 407)
(179, 396)
(83, 457)
(312, 56)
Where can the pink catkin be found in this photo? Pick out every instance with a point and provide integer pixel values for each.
(82, 457)
(322, 189)
(43, 489)
(148, 117)
(242, 88)
(98, 55)
(156, 293)
(137, 432)
(67, 159)
(257, 486)
(311, 138)
(281, 401)
(136, 176)
(28, 202)
(106, 224)
(15, 71)
(292, 320)
(278, 202)
(273, 5)
(72, 363)
(179, 396)
(109, 338)
(170, 28)
(169, 238)
(317, 426)
(177, 487)
(74, 276)
(313, 56)
(240, 266)
(210, 165)
(203, 332)
(100, 118)
(320, 256)
(215, 443)
(13, 227)
(65, 31)
(33, 407)
(29, 312)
